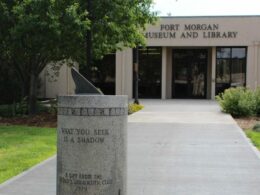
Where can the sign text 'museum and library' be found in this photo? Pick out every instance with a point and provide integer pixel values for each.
(190, 31)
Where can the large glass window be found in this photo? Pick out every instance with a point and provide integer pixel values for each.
(230, 68)
(150, 68)
(189, 73)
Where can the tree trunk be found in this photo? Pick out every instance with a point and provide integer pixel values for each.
(25, 86)
(32, 94)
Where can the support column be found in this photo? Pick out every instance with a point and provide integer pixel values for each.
(251, 65)
(213, 76)
(128, 73)
(257, 63)
(164, 66)
(119, 72)
(169, 74)
(124, 73)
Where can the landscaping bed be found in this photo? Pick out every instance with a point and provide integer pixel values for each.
(247, 122)
(40, 120)
(251, 125)
(46, 119)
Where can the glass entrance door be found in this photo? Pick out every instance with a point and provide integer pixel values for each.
(189, 73)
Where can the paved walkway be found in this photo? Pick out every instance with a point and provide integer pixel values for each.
(175, 147)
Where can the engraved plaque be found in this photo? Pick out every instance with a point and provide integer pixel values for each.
(91, 145)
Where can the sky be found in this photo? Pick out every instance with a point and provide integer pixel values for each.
(206, 7)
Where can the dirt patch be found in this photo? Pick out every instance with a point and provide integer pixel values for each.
(40, 120)
(247, 122)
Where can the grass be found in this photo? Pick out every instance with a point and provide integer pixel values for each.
(21, 147)
(255, 137)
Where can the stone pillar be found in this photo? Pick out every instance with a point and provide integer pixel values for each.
(124, 72)
(169, 73)
(91, 157)
(164, 72)
(213, 72)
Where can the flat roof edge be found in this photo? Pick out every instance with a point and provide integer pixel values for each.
(224, 16)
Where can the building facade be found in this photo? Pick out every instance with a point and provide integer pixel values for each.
(193, 57)
(188, 57)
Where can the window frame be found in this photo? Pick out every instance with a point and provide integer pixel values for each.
(146, 63)
(230, 59)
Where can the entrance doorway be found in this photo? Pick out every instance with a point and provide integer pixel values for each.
(189, 73)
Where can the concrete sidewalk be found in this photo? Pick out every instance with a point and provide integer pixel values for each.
(175, 147)
(181, 147)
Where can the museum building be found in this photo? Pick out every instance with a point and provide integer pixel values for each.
(185, 57)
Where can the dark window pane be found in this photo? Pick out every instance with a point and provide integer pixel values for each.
(223, 53)
(189, 73)
(230, 71)
(238, 72)
(220, 87)
(223, 71)
(202, 55)
(102, 74)
(150, 64)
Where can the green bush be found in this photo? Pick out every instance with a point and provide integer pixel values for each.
(238, 102)
(15, 109)
(256, 128)
(21, 108)
(6, 110)
(257, 97)
(134, 108)
(49, 106)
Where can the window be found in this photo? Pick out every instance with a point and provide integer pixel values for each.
(150, 68)
(230, 68)
(102, 74)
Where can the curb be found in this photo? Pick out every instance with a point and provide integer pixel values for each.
(248, 141)
(13, 179)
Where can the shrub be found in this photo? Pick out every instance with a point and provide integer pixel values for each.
(21, 108)
(49, 106)
(238, 101)
(256, 128)
(6, 110)
(53, 107)
(15, 109)
(134, 108)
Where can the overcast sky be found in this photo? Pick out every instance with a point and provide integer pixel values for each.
(207, 7)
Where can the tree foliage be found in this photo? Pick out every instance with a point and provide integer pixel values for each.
(36, 32)
(116, 24)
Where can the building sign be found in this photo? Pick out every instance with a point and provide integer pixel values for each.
(190, 31)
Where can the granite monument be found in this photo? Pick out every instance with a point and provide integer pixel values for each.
(91, 157)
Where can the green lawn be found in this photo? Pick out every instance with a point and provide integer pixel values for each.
(255, 137)
(22, 147)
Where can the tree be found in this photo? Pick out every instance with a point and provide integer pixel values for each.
(36, 32)
(116, 24)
